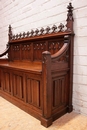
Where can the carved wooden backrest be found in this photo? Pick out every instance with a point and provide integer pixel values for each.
(30, 45)
(32, 51)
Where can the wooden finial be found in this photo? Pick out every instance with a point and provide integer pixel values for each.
(70, 12)
(10, 32)
(70, 18)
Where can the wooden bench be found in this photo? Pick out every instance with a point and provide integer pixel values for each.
(37, 75)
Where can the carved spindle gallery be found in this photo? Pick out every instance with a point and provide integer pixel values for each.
(42, 30)
(54, 27)
(32, 32)
(28, 34)
(36, 32)
(61, 26)
(47, 29)
(23, 34)
(20, 36)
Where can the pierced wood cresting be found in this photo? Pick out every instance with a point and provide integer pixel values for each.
(37, 75)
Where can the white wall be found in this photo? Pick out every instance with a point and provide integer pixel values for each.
(24, 15)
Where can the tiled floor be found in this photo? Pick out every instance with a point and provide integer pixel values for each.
(13, 118)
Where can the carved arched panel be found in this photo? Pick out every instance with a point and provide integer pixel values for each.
(16, 52)
(39, 47)
(26, 51)
(54, 46)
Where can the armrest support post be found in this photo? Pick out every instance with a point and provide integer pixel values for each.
(47, 88)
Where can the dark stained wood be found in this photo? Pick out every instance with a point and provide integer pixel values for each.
(38, 73)
(47, 88)
(7, 85)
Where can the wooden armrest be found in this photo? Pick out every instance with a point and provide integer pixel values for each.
(63, 49)
(4, 52)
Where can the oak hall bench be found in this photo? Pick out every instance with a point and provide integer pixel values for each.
(37, 74)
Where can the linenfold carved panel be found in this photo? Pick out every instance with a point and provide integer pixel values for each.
(7, 85)
(0, 79)
(59, 97)
(33, 92)
(18, 85)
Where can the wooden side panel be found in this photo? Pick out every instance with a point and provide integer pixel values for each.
(36, 93)
(0, 78)
(29, 91)
(59, 92)
(7, 78)
(33, 92)
(18, 85)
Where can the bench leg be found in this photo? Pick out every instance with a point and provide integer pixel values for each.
(70, 108)
(46, 122)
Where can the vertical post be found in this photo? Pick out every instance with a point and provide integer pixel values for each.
(9, 39)
(46, 120)
(10, 33)
(70, 107)
(69, 26)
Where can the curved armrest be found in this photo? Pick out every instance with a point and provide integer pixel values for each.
(63, 49)
(4, 52)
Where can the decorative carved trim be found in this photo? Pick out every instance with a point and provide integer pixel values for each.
(37, 32)
(47, 30)
(54, 27)
(61, 26)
